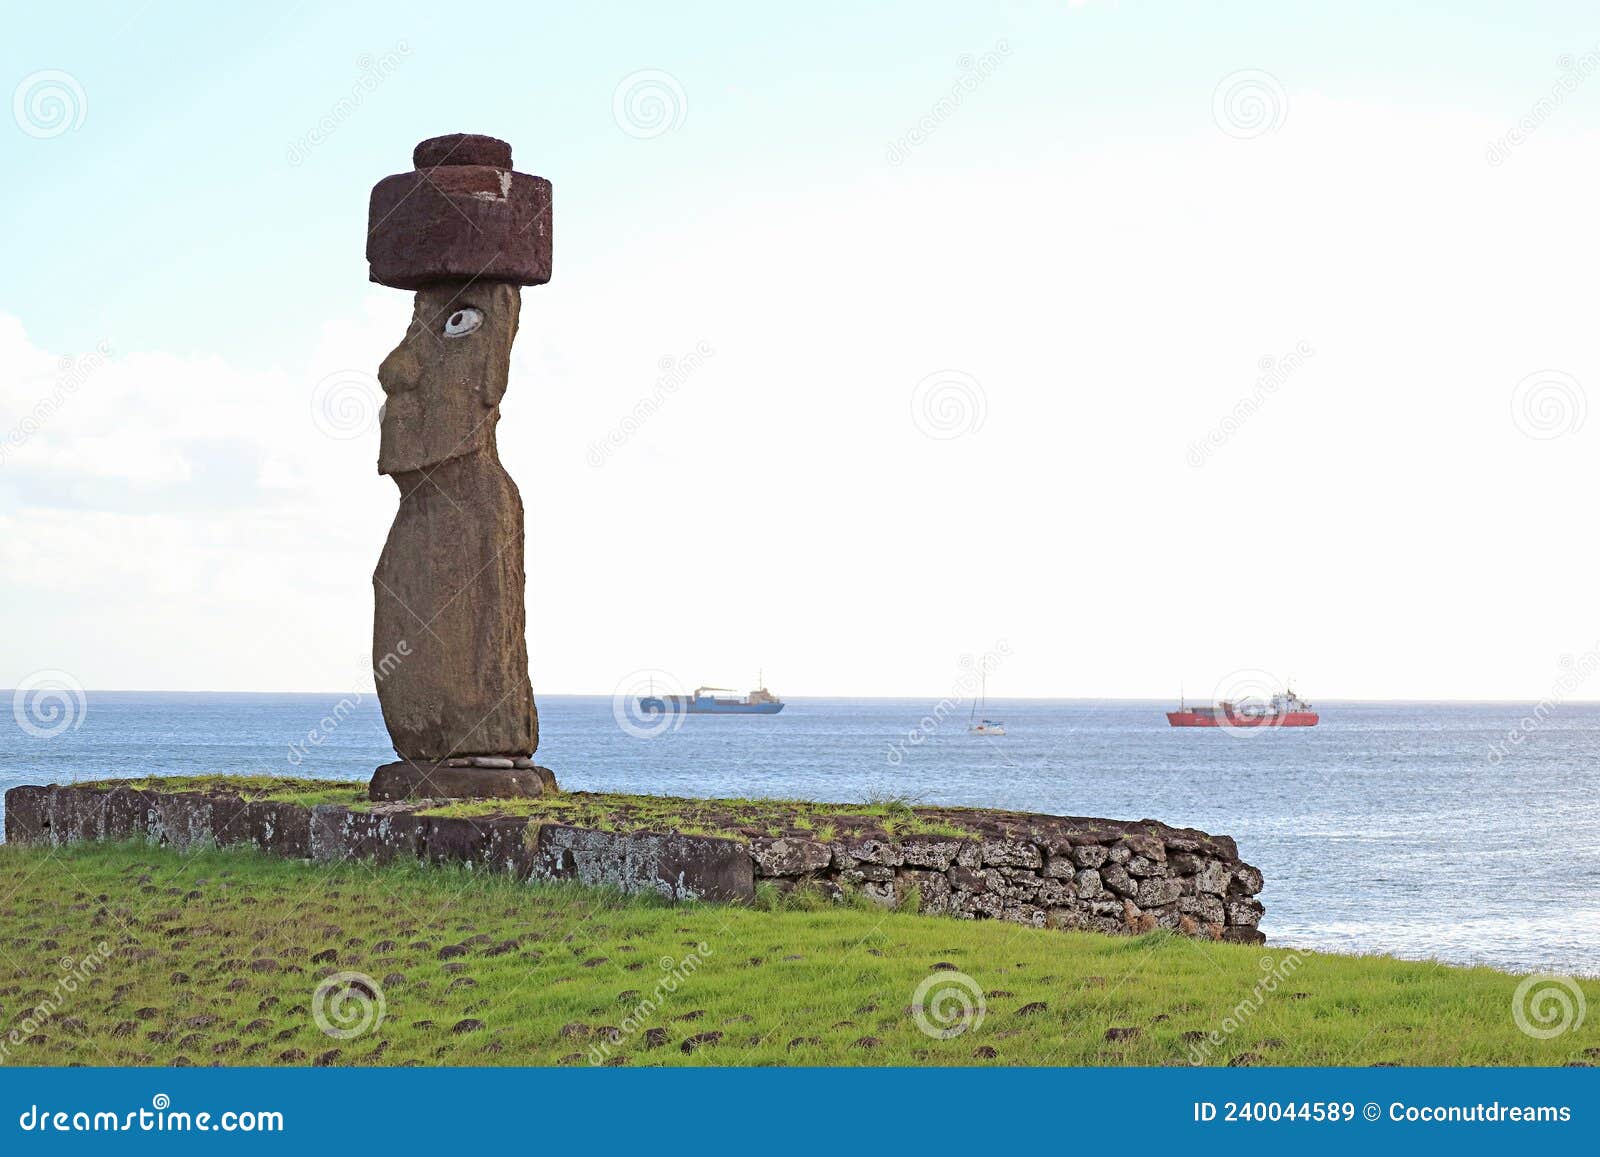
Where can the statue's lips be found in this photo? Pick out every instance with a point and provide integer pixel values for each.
(459, 222)
(411, 438)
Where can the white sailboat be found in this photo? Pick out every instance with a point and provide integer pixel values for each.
(977, 725)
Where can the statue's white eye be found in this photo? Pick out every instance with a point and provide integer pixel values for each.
(462, 322)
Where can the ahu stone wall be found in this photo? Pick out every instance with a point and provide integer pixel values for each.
(1044, 871)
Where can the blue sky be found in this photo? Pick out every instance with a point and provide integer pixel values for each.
(175, 196)
(1086, 256)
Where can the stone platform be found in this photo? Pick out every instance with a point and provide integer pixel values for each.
(1046, 871)
(458, 779)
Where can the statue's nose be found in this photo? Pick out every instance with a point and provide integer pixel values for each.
(400, 370)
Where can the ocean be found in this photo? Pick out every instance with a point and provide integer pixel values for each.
(1463, 832)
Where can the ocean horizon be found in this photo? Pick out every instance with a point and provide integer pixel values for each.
(1412, 828)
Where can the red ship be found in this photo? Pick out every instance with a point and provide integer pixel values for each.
(1284, 710)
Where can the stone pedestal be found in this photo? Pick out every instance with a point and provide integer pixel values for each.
(405, 779)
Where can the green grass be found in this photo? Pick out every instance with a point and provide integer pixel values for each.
(713, 817)
(477, 970)
(737, 818)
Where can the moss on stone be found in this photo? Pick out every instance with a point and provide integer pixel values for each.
(735, 818)
(270, 788)
(604, 811)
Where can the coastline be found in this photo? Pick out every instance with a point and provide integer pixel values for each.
(1368, 828)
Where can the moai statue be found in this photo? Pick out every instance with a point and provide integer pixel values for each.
(465, 232)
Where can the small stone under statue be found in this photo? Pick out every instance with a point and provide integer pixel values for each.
(465, 232)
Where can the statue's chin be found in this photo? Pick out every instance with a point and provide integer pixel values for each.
(402, 455)
(402, 465)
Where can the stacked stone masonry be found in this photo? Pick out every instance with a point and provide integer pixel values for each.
(1044, 871)
(1094, 875)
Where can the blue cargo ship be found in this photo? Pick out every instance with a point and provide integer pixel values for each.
(713, 701)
